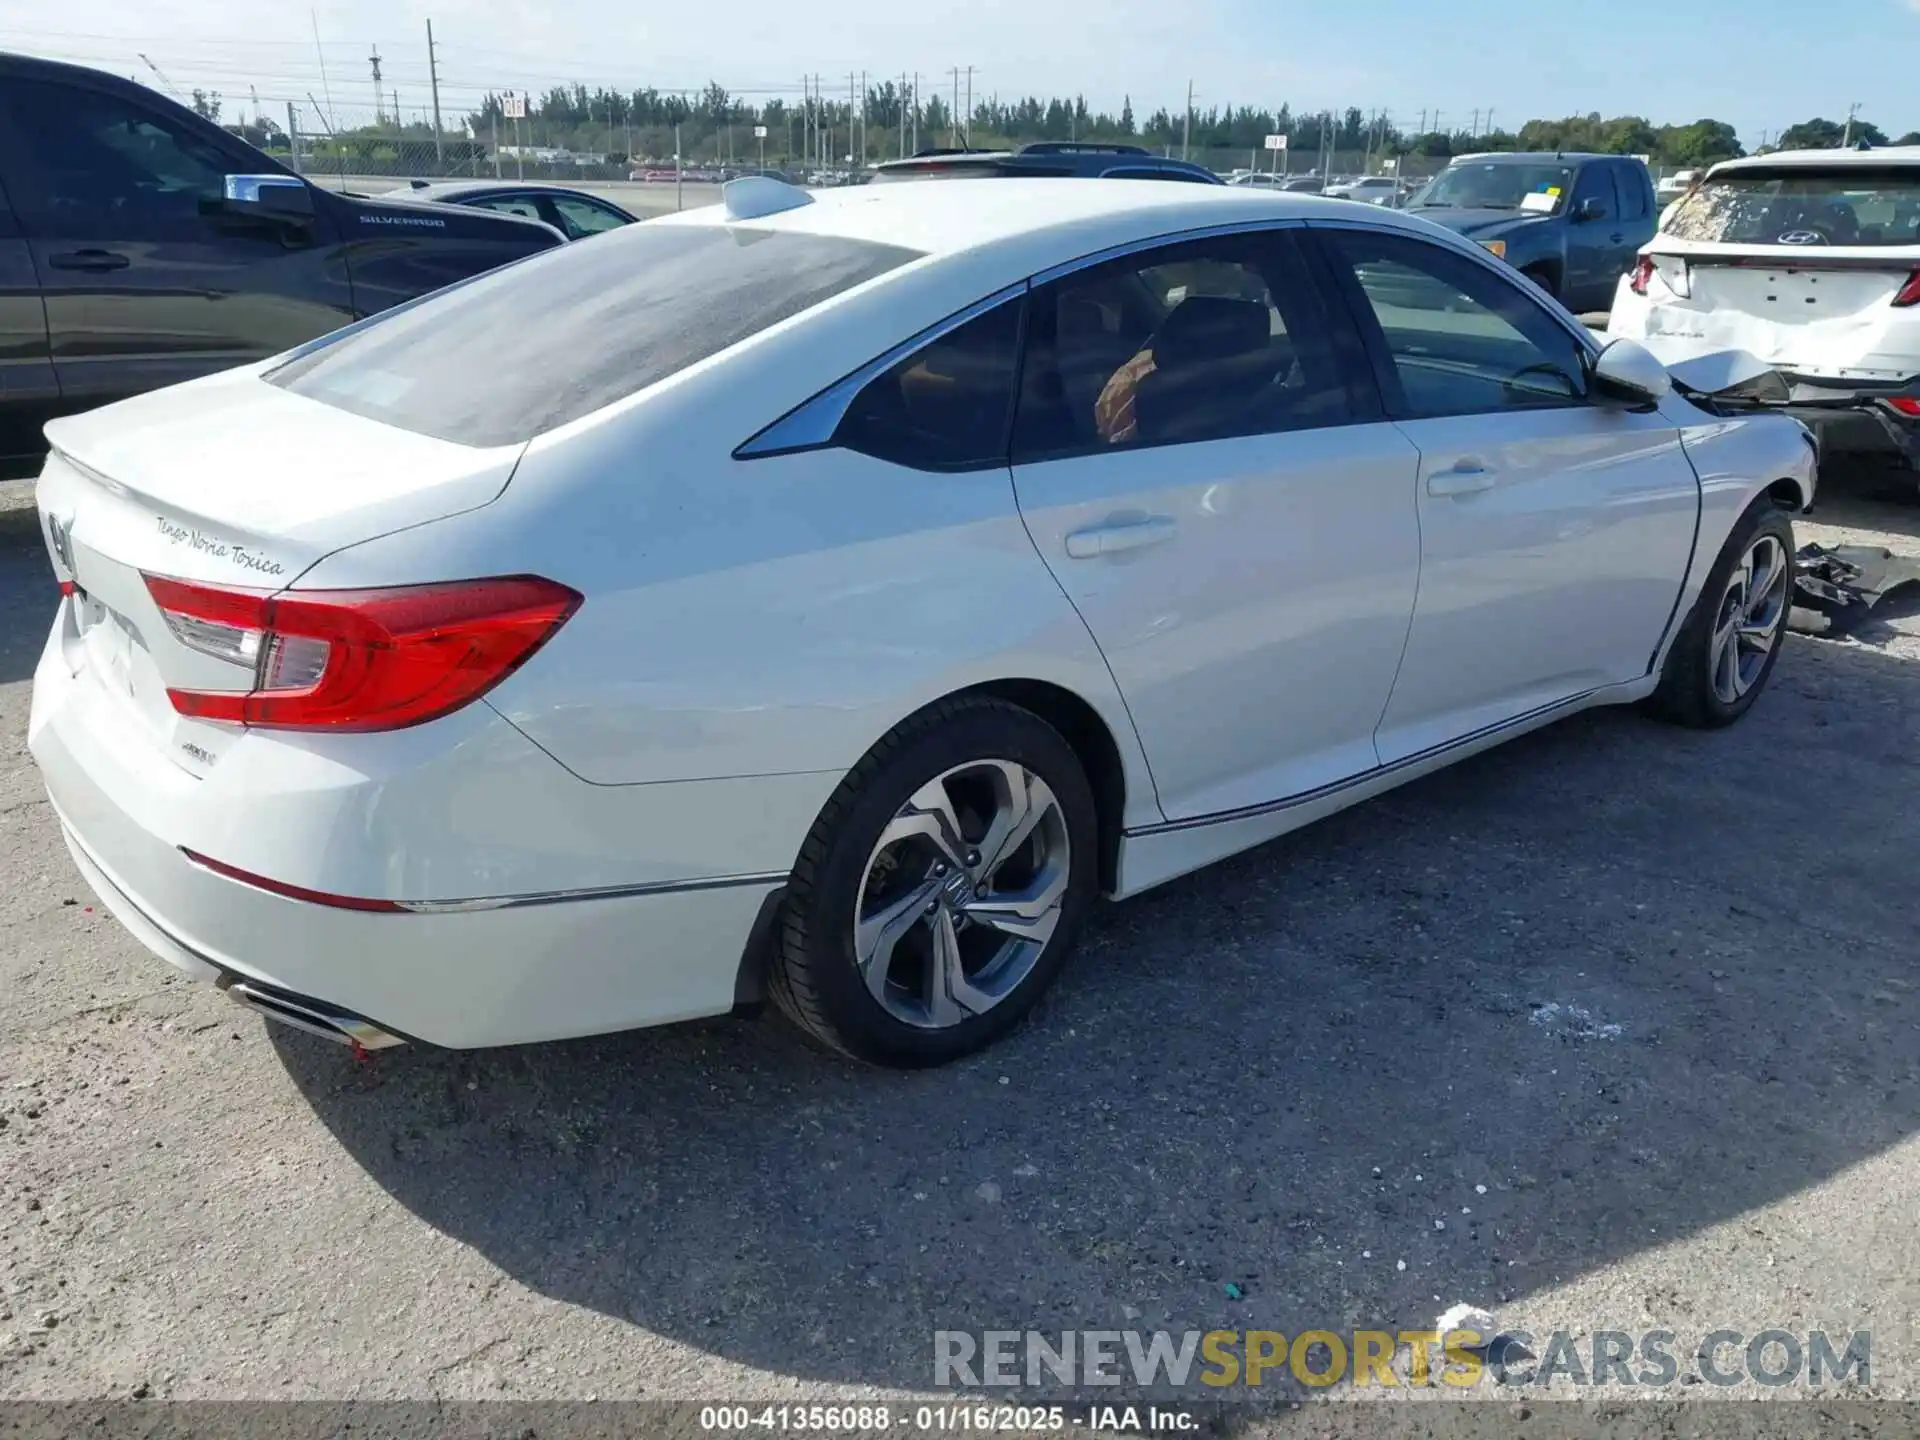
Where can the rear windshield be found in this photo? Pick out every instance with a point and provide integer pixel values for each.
(1799, 205)
(500, 359)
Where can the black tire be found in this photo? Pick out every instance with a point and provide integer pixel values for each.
(1543, 276)
(1687, 695)
(814, 975)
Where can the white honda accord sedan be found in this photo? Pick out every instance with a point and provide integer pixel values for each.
(832, 597)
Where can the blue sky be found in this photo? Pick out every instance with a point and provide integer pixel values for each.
(1761, 64)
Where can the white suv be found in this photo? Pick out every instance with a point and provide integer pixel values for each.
(1810, 260)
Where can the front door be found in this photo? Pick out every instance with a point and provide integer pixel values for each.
(1596, 245)
(1554, 530)
(146, 280)
(1223, 504)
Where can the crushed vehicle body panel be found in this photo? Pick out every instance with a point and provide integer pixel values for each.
(1810, 261)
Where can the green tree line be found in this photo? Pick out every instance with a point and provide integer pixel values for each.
(601, 119)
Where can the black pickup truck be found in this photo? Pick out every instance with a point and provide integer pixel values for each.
(142, 245)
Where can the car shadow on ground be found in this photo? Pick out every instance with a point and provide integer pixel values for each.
(1632, 980)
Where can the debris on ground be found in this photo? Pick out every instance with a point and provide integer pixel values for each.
(1574, 1020)
(1469, 1317)
(1835, 589)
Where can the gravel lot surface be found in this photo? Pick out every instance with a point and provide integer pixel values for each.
(1614, 1027)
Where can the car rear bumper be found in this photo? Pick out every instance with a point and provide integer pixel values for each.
(1854, 419)
(464, 973)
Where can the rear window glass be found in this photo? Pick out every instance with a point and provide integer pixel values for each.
(502, 358)
(1803, 206)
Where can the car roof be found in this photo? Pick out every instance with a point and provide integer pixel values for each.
(1533, 157)
(456, 189)
(1880, 156)
(1040, 222)
(1047, 157)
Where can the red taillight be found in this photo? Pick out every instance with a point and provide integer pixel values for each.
(1907, 405)
(1642, 274)
(293, 892)
(359, 659)
(1909, 293)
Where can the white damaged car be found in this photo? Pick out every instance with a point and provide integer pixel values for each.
(1810, 261)
(831, 597)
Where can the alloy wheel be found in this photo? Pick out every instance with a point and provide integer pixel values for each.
(961, 893)
(1752, 614)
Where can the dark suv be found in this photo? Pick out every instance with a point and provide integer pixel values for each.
(1574, 224)
(141, 245)
(1046, 157)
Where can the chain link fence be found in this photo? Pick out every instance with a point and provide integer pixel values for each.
(529, 150)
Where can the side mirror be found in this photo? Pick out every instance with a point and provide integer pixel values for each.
(268, 197)
(1591, 208)
(1626, 373)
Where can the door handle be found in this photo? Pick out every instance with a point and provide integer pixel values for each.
(95, 260)
(1121, 535)
(1464, 477)
(1618, 238)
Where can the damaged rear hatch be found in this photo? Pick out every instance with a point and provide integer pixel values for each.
(1812, 267)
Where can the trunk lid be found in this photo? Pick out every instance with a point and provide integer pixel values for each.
(1826, 313)
(227, 481)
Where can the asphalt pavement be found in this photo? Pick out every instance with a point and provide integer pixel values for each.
(1614, 1027)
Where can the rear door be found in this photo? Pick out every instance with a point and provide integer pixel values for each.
(1226, 509)
(1554, 531)
(29, 394)
(147, 281)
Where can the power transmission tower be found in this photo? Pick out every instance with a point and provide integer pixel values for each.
(433, 77)
(1846, 135)
(379, 96)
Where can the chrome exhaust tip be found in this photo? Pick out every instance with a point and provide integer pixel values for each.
(308, 1015)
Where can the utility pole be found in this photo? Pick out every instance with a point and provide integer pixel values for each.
(378, 95)
(969, 122)
(915, 103)
(903, 114)
(293, 136)
(1186, 125)
(1846, 135)
(953, 120)
(1423, 120)
(433, 77)
(1489, 120)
